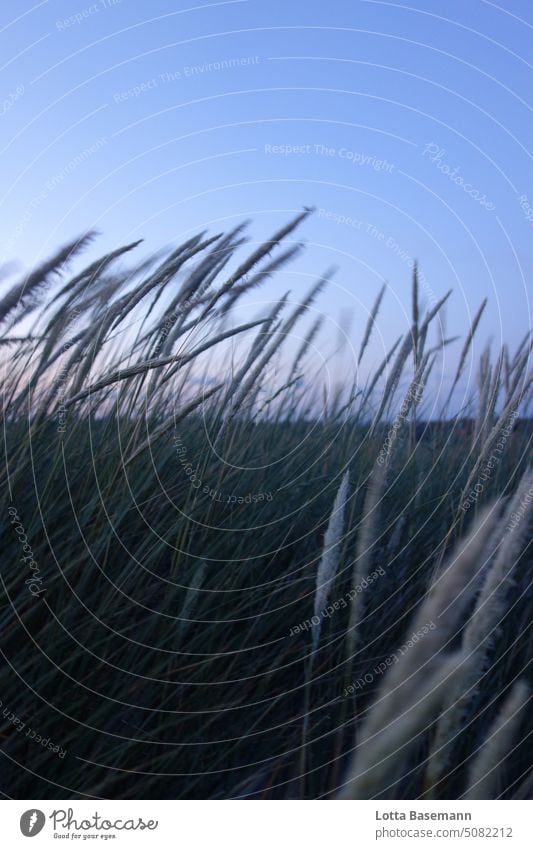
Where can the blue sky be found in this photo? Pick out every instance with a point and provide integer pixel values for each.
(408, 127)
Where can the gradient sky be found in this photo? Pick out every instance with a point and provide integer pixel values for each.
(135, 118)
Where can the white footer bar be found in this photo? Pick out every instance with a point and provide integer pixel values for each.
(266, 825)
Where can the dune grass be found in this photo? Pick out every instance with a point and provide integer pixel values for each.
(210, 585)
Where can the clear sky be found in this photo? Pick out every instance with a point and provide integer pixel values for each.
(407, 126)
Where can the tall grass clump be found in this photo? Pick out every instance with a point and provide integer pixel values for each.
(222, 577)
